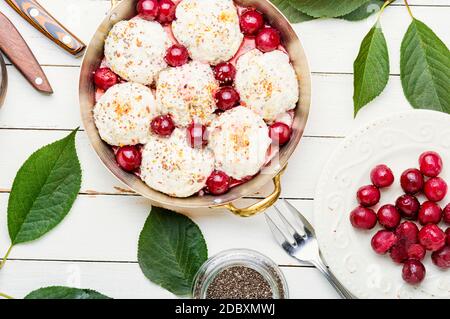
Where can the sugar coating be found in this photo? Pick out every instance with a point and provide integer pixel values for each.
(267, 83)
(240, 140)
(135, 50)
(171, 166)
(187, 93)
(124, 113)
(209, 29)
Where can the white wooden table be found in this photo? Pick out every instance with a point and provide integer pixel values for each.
(95, 246)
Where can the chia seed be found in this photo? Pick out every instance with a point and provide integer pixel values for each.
(239, 282)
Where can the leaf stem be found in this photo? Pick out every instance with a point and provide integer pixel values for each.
(2, 295)
(409, 9)
(386, 3)
(6, 256)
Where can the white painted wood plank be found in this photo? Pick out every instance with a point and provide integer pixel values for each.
(331, 112)
(299, 180)
(332, 45)
(106, 228)
(20, 278)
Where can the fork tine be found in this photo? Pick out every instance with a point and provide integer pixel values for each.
(279, 235)
(306, 225)
(298, 238)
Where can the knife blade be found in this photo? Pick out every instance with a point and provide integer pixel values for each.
(39, 18)
(3, 80)
(16, 49)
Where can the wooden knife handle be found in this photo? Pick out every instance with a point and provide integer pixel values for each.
(35, 14)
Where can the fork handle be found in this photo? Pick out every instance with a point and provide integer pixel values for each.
(341, 290)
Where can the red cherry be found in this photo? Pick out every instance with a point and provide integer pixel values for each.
(104, 78)
(408, 206)
(382, 241)
(148, 9)
(167, 11)
(280, 133)
(446, 214)
(416, 252)
(225, 72)
(435, 189)
(268, 39)
(227, 98)
(363, 218)
(389, 216)
(432, 237)
(399, 252)
(408, 232)
(251, 22)
(413, 272)
(218, 183)
(129, 158)
(163, 125)
(412, 181)
(430, 213)
(368, 195)
(447, 236)
(197, 135)
(177, 55)
(441, 258)
(430, 164)
(382, 176)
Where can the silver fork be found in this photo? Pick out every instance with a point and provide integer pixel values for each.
(304, 247)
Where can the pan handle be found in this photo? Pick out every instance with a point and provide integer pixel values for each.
(259, 206)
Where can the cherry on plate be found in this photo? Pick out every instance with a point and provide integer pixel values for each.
(408, 206)
(177, 55)
(432, 237)
(446, 214)
(280, 133)
(197, 135)
(163, 125)
(430, 213)
(408, 231)
(227, 98)
(382, 241)
(416, 252)
(167, 11)
(430, 164)
(363, 218)
(268, 39)
(412, 181)
(251, 22)
(441, 258)
(104, 78)
(389, 216)
(368, 195)
(148, 9)
(413, 272)
(399, 252)
(382, 176)
(218, 183)
(225, 72)
(435, 189)
(129, 158)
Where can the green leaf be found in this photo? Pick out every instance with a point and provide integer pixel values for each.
(425, 68)
(371, 68)
(365, 11)
(171, 249)
(57, 292)
(293, 15)
(327, 8)
(44, 190)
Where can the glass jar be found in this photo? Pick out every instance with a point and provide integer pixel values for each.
(245, 258)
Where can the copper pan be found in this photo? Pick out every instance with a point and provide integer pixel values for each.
(126, 9)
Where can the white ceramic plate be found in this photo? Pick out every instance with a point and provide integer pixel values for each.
(396, 141)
